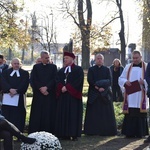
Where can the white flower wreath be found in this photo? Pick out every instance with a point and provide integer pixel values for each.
(44, 141)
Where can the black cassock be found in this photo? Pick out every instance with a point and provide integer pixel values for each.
(99, 118)
(42, 116)
(69, 104)
(15, 115)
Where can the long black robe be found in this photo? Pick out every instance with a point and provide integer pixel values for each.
(99, 118)
(15, 115)
(42, 116)
(69, 104)
(2, 69)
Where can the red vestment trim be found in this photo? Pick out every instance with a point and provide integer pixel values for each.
(58, 90)
(73, 91)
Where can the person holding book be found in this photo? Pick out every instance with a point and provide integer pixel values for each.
(135, 103)
(15, 81)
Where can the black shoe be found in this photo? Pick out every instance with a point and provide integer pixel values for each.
(130, 136)
(28, 140)
(147, 140)
(139, 137)
(65, 138)
(74, 139)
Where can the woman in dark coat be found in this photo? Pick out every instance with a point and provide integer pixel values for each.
(99, 118)
(116, 69)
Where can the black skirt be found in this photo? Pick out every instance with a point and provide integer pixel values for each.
(135, 123)
(100, 118)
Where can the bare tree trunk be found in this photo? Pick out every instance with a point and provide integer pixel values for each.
(85, 49)
(123, 48)
(32, 50)
(146, 30)
(23, 52)
(121, 34)
(85, 31)
(9, 53)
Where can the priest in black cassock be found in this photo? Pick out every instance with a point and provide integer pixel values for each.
(3, 66)
(99, 118)
(15, 81)
(69, 99)
(42, 116)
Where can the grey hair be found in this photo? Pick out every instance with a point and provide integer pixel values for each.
(16, 59)
(44, 52)
(99, 54)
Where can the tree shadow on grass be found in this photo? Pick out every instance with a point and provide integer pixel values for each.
(104, 143)
(98, 143)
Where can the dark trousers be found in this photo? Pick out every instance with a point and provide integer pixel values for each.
(7, 140)
(117, 94)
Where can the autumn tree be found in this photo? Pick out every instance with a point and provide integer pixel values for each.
(11, 33)
(117, 14)
(81, 13)
(146, 30)
(99, 37)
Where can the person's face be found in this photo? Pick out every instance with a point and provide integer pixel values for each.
(38, 61)
(116, 63)
(136, 58)
(99, 60)
(45, 58)
(15, 64)
(68, 60)
(1, 61)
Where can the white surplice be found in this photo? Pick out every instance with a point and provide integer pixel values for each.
(134, 100)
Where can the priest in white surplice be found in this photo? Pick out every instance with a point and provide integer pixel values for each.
(135, 105)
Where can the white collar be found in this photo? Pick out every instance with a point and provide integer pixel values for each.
(68, 68)
(13, 72)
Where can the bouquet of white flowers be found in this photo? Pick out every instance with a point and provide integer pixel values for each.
(44, 141)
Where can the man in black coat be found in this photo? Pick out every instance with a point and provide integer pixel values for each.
(3, 66)
(99, 117)
(147, 77)
(15, 82)
(43, 79)
(69, 99)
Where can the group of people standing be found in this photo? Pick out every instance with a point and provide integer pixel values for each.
(100, 115)
(57, 105)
